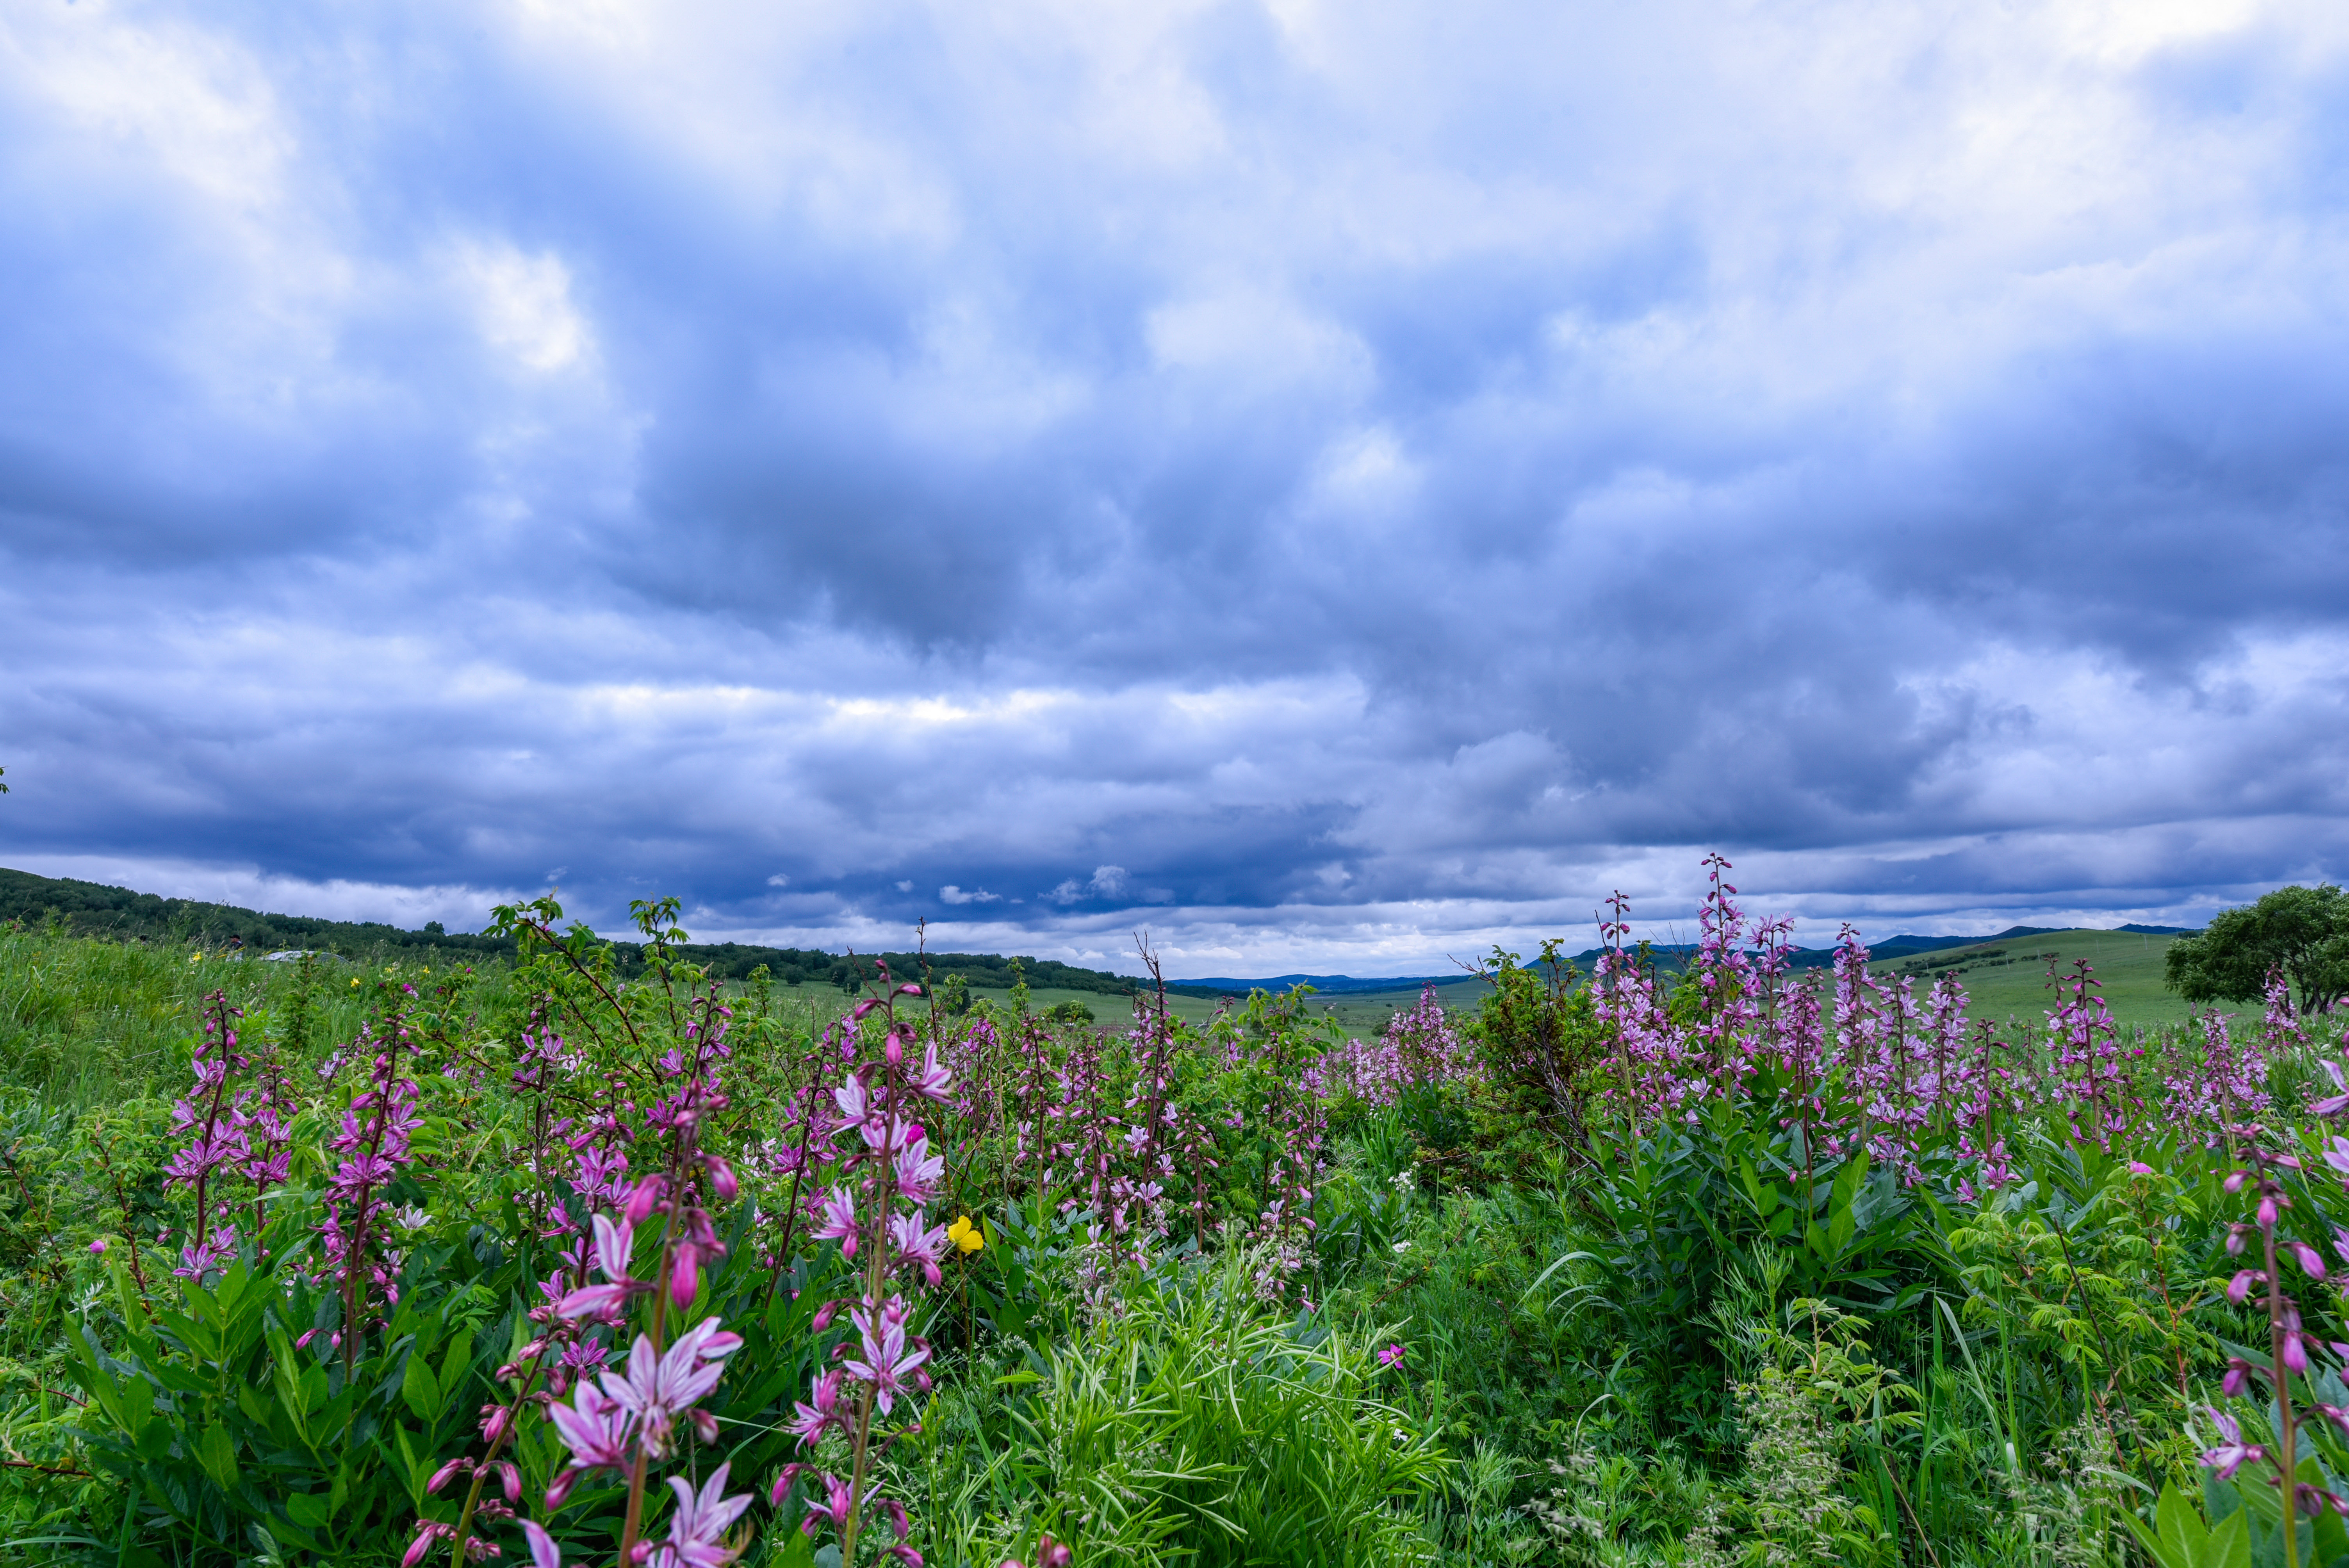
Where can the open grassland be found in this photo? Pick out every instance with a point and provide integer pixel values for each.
(364, 1262)
(2009, 978)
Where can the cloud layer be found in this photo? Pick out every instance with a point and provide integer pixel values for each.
(1334, 486)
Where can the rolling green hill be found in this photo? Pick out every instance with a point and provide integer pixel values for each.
(2007, 977)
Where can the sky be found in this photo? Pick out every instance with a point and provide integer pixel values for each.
(1336, 487)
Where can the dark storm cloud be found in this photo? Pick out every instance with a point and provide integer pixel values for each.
(1332, 486)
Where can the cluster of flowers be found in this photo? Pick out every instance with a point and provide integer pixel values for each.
(231, 1129)
(373, 1145)
(633, 1246)
(2293, 1349)
(624, 1419)
(1419, 1048)
(1867, 1065)
(884, 1176)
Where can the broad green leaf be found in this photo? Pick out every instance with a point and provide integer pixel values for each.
(417, 1472)
(94, 1376)
(216, 1451)
(2229, 1544)
(2163, 1552)
(1840, 1225)
(457, 1366)
(308, 1511)
(138, 1404)
(421, 1390)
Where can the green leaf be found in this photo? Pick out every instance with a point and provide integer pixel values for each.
(138, 1405)
(457, 1366)
(2161, 1551)
(2229, 1545)
(2177, 1534)
(94, 1375)
(422, 1390)
(1840, 1226)
(416, 1473)
(216, 1451)
(309, 1513)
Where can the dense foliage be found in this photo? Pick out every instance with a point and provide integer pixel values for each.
(563, 1258)
(2300, 933)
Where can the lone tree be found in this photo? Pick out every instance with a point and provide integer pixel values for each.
(2303, 931)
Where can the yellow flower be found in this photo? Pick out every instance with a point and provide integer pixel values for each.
(354, 982)
(964, 1234)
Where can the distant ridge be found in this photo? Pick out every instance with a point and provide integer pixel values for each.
(94, 909)
(1669, 955)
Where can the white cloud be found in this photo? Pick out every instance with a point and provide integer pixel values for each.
(522, 304)
(1391, 476)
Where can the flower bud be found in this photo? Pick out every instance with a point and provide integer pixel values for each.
(641, 1200)
(721, 1180)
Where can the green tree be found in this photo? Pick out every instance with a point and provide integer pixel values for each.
(2301, 930)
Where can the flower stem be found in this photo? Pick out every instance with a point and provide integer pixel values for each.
(482, 1470)
(2284, 1432)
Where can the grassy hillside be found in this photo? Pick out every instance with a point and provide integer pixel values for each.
(2008, 978)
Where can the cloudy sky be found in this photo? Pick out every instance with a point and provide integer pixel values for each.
(1338, 485)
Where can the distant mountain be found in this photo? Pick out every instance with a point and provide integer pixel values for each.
(1668, 956)
(1909, 946)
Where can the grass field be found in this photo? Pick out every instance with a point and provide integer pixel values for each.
(2009, 979)
(1483, 1296)
(1360, 1013)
